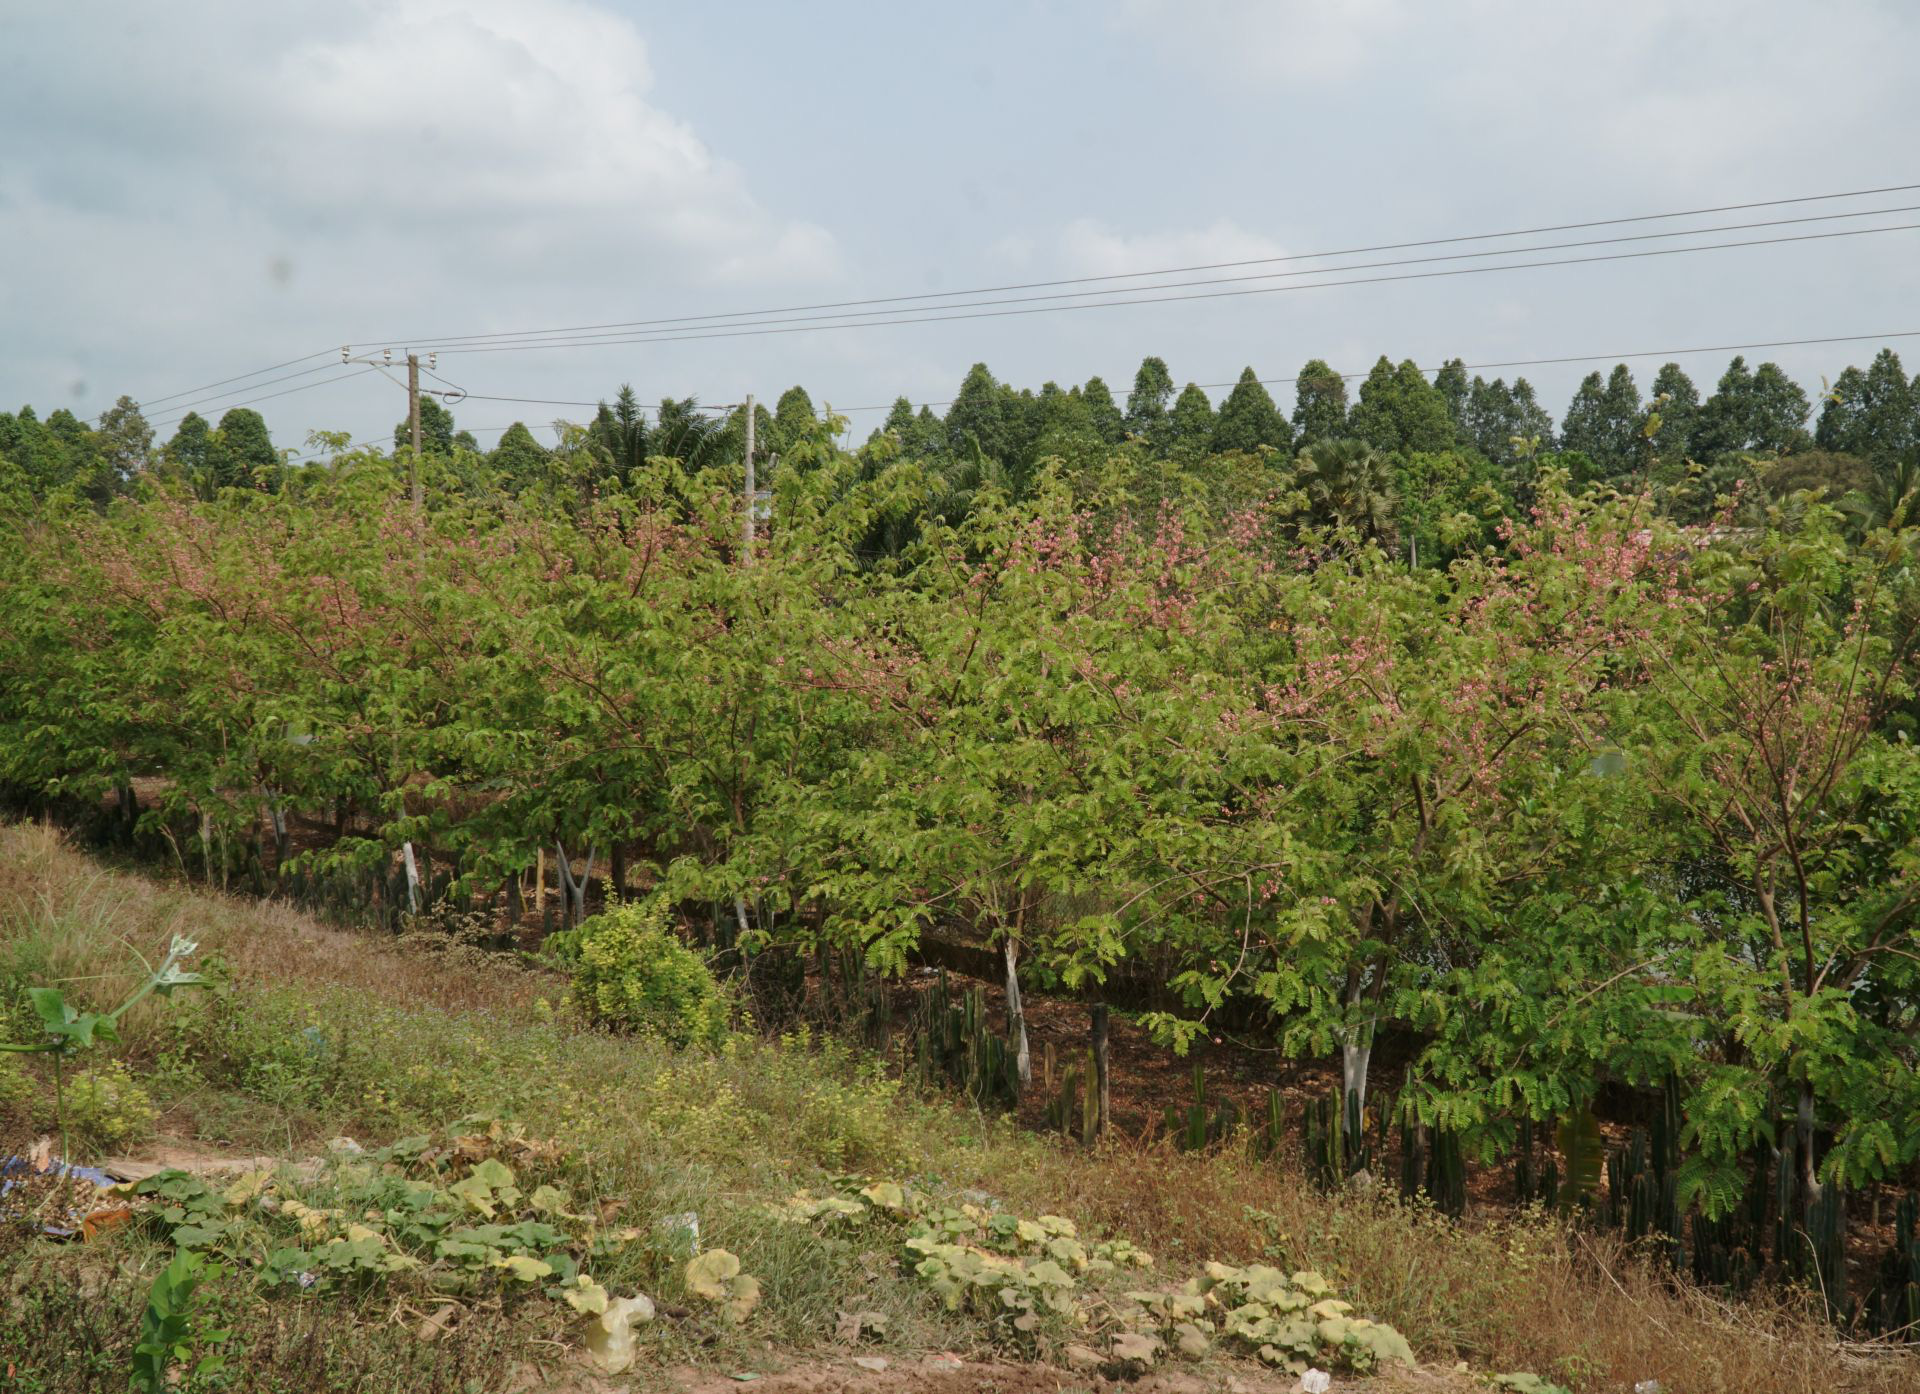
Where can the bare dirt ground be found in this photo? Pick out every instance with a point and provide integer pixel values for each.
(941, 1375)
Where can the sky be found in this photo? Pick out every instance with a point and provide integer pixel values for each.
(197, 191)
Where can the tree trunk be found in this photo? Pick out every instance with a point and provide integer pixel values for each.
(563, 883)
(1016, 1013)
(1354, 1058)
(572, 889)
(1356, 1053)
(282, 841)
(413, 878)
(580, 887)
(1809, 1182)
(1098, 1015)
(515, 908)
(129, 813)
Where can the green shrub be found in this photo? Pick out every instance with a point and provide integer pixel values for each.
(105, 1109)
(633, 975)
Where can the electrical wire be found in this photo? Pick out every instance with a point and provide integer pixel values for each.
(1277, 275)
(150, 404)
(738, 333)
(1170, 271)
(249, 401)
(454, 393)
(239, 377)
(184, 407)
(544, 401)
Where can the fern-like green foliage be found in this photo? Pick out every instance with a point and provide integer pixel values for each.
(632, 974)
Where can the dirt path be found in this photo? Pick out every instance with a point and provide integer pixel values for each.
(189, 1154)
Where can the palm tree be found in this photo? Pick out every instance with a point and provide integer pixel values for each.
(619, 436)
(1349, 484)
(1891, 500)
(691, 434)
(957, 481)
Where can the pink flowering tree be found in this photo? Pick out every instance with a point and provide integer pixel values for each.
(1414, 769)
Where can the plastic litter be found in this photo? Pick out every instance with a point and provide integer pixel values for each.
(66, 1199)
(684, 1226)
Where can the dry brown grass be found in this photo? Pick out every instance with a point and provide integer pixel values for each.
(90, 920)
(1502, 1292)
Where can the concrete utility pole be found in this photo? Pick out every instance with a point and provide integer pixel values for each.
(746, 535)
(413, 417)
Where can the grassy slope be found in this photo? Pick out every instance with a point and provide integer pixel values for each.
(324, 1033)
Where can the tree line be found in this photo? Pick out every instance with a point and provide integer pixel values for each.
(1425, 464)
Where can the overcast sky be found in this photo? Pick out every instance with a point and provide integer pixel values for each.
(201, 189)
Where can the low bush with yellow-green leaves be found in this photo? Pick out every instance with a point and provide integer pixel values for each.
(477, 1214)
(631, 973)
(103, 1107)
(1289, 1320)
(457, 1216)
(1037, 1277)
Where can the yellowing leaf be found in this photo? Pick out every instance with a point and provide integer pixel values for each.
(246, 1186)
(475, 1194)
(609, 1336)
(584, 1295)
(886, 1195)
(711, 1274)
(523, 1268)
(493, 1172)
(745, 1297)
(548, 1200)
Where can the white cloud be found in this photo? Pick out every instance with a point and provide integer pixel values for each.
(495, 112)
(1092, 248)
(236, 179)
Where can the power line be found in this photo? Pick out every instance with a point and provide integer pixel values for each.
(543, 401)
(735, 333)
(240, 377)
(1172, 271)
(688, 404)
(249, 401)
(184, 407)
(151, 403)
(1487, 365)
(1275, 275)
